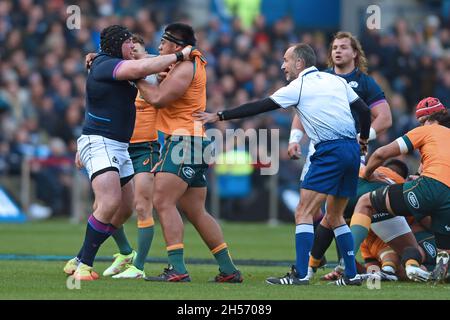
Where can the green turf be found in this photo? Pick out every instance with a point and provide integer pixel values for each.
(45, 280)
(246, 241)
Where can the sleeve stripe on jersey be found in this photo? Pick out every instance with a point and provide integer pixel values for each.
(99, 118)
(355, 100)
(377, 103)
(117, 68)
(404, 144)
(300, 93)
(276, 102)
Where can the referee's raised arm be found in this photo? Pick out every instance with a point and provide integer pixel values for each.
(243, 111)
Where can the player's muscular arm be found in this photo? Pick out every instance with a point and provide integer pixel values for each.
(138, 69)
(381, 117)
(379, 156)
(243, 111)
(171, 88)
(296, 123)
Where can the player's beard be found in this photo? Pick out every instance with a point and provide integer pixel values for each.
(291, 76)
(343, 64)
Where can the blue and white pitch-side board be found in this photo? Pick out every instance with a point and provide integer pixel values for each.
(9, 211)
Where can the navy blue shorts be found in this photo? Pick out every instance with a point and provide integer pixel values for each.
(334, 168)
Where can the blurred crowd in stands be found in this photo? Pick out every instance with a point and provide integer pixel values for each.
(42, 73)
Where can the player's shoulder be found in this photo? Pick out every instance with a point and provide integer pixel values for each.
(368, 79)
(332, 78)
(295, 84)
(325, 73)
(437, 130)
(186, 68)
(421, 131)
(103, 59)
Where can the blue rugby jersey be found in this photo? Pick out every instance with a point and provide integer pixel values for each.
(364, 86)
(110, 109)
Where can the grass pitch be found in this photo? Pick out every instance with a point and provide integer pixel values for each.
(37, 279)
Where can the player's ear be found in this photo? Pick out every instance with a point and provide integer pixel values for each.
(178, 47)
(299, 64)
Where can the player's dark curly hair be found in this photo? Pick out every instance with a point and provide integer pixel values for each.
(442, 117)
(112, 38)
(360, 59)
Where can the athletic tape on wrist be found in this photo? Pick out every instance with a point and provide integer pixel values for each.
(296, 136)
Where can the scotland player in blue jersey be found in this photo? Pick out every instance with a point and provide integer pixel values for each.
(102, 147)
(346, 59)
(324, 103)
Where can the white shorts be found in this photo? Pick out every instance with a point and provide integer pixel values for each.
(390, 229)
(311, 151)
(98, 153)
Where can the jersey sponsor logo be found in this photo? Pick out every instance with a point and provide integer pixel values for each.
(146, 161)
(353, 84)
(430, 249)
(115, 160)
(412, 199)
(188, 172)
(350, 253)
(380, 215)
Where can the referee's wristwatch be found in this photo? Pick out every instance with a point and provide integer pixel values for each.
(220, 115)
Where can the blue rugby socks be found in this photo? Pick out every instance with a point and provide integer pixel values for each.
(304, 238)
(344, 240)
(96, 233)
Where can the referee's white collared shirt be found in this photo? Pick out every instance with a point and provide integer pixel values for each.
(322, 101)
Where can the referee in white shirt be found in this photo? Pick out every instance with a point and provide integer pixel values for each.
(324, 103)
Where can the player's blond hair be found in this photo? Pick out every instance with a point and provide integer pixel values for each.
(360, 59)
